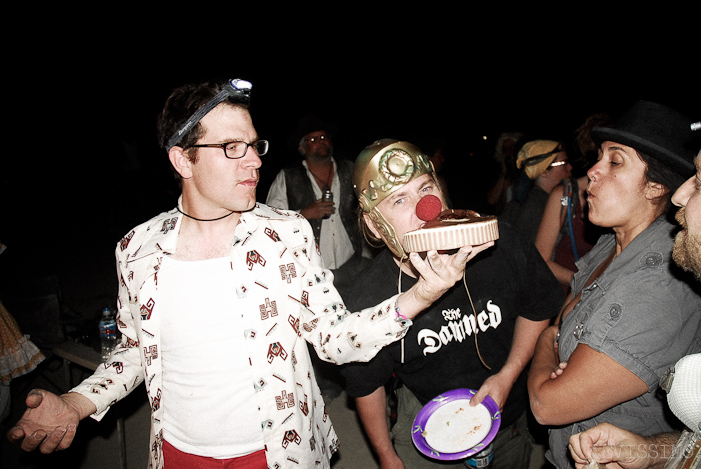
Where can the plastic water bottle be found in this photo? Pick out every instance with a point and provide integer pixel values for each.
(481, 459)
(108, 333)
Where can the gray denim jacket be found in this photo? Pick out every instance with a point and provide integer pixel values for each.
(642, 312)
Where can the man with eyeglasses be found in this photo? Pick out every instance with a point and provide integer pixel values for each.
(217, 301)
(304, 187)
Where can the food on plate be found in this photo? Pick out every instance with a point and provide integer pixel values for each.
(457, 426)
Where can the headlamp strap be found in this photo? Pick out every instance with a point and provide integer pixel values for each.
(235, 87)
(534, 160)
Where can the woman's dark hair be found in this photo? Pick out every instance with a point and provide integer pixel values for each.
(657, 172)
(586, 150)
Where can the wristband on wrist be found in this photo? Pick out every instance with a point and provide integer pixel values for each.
(400, 316)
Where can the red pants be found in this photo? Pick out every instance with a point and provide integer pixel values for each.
(173, 458)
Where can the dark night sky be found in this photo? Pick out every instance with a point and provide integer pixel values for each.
(76, 108)
(79, 89)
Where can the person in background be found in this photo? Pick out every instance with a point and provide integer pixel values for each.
(479, 335)
(217, 301)
(611, 334)
(543, 164)
(18, 356)
(301, 187)
(501, 191)
(616, 447)
(565, 234)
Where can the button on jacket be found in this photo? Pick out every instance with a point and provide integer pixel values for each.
(641, 313)
(286, 298)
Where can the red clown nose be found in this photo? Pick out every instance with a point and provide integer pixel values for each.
(429, 207)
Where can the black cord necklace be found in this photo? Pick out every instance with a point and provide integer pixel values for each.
(203, 219)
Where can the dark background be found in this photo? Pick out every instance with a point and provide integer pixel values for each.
(75, 101)
(82, 84)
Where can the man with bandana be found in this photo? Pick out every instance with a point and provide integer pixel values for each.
(479, 335)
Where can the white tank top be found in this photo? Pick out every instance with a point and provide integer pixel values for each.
(207, 383)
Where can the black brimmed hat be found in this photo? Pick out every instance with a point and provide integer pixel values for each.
(656, 130)
(312, 123)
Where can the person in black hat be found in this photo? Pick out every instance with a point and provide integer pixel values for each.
(631, 313)
(305, 185)
(606, 443)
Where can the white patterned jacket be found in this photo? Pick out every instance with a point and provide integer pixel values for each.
(288, 298)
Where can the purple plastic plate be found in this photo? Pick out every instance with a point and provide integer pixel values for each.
(441, 400)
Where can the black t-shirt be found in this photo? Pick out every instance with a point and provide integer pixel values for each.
(439, 352)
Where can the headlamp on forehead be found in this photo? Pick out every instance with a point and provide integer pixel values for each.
(234, 88)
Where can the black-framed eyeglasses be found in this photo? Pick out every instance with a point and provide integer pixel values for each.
(236, 150)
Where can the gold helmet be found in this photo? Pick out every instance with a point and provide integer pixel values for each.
(382, 168)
